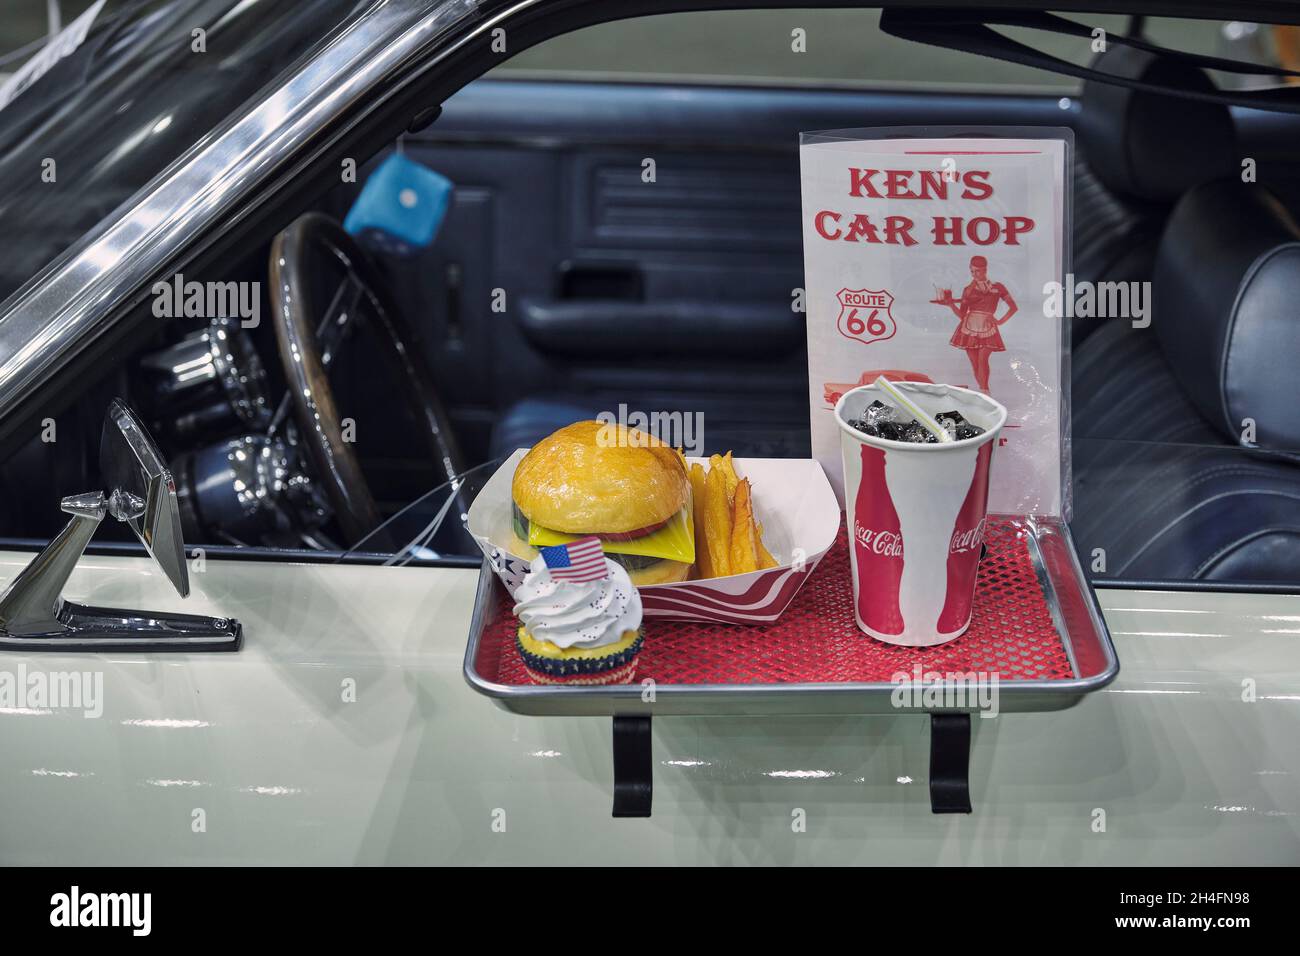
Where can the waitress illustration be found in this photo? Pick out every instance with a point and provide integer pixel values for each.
(977, 309)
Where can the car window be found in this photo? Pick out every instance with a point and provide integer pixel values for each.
(28, 24)
(746, 46)
(838, 47)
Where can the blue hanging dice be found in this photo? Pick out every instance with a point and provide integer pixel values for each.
(401, 206)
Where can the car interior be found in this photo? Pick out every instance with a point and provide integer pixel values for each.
(562, 282)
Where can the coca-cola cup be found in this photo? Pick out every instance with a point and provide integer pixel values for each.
(915, 514)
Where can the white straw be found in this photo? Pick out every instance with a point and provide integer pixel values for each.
(918, 413)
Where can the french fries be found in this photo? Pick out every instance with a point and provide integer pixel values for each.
(744, 553)
(724, 464)
(727, 538)
(699, 489)
(717, 523)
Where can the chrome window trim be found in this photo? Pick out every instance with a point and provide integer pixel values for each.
(68, 304)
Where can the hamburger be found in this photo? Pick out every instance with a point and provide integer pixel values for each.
(625, 487)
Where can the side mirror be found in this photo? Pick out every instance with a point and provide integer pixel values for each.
(142, 495)
(141, 491)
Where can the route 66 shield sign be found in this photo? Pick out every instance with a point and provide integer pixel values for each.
(865, 315)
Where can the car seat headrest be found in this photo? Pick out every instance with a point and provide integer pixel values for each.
(1224, 308)
(1150, 145)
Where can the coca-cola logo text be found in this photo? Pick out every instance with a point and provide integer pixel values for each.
(889, 544)
(967, 540)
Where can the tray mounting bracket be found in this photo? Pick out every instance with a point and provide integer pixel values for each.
(950, 763)
(633, 768)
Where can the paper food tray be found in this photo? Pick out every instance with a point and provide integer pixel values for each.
(792, 499)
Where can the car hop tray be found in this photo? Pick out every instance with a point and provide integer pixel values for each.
(1036, 635)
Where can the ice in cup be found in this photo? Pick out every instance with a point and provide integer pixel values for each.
(915, 511)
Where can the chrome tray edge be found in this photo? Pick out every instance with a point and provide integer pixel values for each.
(857, 698)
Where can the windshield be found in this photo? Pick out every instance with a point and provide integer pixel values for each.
(434, 527)
(149, 81)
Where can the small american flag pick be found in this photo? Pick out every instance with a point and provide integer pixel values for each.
(580, 561)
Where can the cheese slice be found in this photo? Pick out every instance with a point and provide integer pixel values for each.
(675, 541)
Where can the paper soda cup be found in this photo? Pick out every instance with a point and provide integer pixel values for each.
(915, 515)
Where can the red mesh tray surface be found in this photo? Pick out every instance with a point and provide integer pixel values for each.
(1026, 627)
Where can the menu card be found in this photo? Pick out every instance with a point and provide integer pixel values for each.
(932, 260)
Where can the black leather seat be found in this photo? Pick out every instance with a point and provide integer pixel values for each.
(1187, 432)
(1163, 482)
(1138, 152)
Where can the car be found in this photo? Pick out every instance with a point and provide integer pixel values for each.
(278, 295)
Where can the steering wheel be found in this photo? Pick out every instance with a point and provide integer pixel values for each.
(314, 256)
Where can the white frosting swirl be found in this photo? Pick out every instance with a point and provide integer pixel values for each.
(573, 614)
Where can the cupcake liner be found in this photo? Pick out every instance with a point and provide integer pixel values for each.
(609, 669)
(621, 675)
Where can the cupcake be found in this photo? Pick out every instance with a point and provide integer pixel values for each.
(580, 617)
